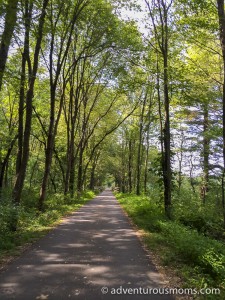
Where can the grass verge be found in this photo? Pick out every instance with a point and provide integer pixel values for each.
(195, 258)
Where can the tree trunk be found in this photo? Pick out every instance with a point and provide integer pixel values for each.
(92, 178)
(71, 158)
(146, 165)
(221, 15)
(123, 169)
(130, 165)
(10, 23)
(147, 141)
(167, 159)
(167, 174)
(223, 201)
(17, 190)
(180, 160)
(25, 59)
(139, 158)
(70, 162)
(160, 24)
(206, 145)
(160, 111)
(94, 165)
(72, 172)
(5, 162)
(80, 172)
(138, 183)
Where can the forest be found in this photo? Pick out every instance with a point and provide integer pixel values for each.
(122, 94)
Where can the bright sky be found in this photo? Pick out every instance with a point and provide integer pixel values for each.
(136, 15)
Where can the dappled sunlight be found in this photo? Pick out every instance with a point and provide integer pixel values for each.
(97, 270)
(94, 247)
(105, 197)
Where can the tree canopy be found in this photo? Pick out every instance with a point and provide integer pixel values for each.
(91, 95)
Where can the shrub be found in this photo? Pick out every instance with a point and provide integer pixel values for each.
(48, 217)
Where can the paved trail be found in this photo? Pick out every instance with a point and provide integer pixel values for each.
(94, 248)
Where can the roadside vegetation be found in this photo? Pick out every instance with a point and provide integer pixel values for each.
(33, 224)
(191, 244)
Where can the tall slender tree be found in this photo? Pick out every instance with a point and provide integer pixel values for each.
(10, 23)
(221, 15)
(161, 32)
(55, 69)
(17, 190)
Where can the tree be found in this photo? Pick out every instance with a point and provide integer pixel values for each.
(17, 190)
(221, 15)
(10, 23)
(60, 48)
(161, 32)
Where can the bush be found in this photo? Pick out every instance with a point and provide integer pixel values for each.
(189, 210)
(87, 195)
(48, 217)
(8, 217)
(195, 249)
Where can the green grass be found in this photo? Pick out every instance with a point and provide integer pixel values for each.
(32, 225)
(198, 258)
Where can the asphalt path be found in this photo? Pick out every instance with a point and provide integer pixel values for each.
(93, 254)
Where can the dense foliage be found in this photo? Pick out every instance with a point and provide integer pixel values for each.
(126, 94)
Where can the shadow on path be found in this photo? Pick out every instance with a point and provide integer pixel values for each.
(94, 248)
